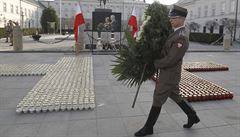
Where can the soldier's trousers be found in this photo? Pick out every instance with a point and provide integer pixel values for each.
(11, 38)
(163, 91)
(7, 36)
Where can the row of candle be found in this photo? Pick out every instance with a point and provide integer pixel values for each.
(195, 88)
(67, 86)
(203, 66)
(24, 69)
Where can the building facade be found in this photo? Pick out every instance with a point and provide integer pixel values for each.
(26, 12)
(68, 9)
(201, 11)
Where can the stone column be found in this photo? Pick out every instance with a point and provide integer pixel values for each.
(227, 41)
(17, 39)
(80, 44)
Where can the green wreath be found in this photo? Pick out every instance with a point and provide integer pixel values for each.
(139, 56)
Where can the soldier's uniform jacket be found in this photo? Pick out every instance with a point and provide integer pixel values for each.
(170, 64)
(7, 29)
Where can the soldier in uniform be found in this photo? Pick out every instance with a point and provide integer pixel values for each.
(170, 66)
(114, 22)
(11, 26)
(7, 30)
(11, 32)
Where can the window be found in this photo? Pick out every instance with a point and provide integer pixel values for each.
(25, 12)
(206, 11)
(36, 14)
(213, 9)
(32, 16)
(29, 13)
(4, 7)
(223, 7)
(73, 12)
(58, 11)
(26, 24)
(66, 12)
(17, 10)
(21, 11)
(199, 12)
(232, 6)
(11, 8)
(33, 23)
(191, 14)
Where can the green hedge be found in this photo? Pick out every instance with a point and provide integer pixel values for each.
(2, 33)
(29, 31)
(204, 37)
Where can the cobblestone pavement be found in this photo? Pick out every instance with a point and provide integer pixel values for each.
(113, 115)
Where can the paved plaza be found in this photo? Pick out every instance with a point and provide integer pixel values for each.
(65, 43)
(113, 115)
(47, 43)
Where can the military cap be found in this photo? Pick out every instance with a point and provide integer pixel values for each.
(178, 11)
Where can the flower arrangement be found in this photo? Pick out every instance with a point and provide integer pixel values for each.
(36, 36)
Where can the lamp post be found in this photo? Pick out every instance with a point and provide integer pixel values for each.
(37, 16)
(60, 16)
(21, 22)
(235, 25)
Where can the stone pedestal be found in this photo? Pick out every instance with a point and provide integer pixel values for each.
(227, 42)
(80, 44)
(17, 39)
(77, 48)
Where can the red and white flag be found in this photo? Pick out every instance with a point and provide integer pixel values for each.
(79, 20)
(133, 22)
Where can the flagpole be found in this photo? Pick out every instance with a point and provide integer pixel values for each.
(122, 22)
(123, 11)
(80, 6)
(77, 45)
(60, 16)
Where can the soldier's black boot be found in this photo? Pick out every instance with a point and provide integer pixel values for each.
(148, 127)
(190, 112)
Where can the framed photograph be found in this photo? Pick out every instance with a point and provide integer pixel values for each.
(106, 21)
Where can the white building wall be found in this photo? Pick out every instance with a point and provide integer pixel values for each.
(8, 15)
(223, 9)
(88, 6)
(30, 17)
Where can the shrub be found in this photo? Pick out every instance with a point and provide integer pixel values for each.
(204, 37)
(26, 31)
(49, 15)
(30, 31)
(2, 33)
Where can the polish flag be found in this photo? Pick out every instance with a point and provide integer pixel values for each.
(79, 20)
(133, 22)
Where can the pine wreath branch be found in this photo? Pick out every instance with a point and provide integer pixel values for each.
(130, 61)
